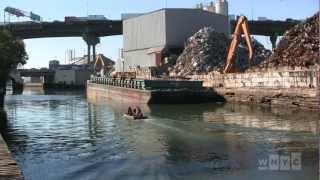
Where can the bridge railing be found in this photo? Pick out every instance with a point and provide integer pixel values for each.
(127, 83)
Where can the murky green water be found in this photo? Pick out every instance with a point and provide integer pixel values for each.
(60, 135)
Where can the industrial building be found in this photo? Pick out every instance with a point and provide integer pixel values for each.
(147, 37)
(219, 7)
(102, 65)
(71, 77)
(78, 71)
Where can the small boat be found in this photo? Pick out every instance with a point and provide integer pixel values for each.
(133, 117)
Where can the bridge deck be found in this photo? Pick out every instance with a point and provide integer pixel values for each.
(268, 27)
(8, 166)
(27, 30)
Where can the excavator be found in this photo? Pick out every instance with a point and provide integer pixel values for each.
(241, 28)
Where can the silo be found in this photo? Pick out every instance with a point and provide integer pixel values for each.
(222, 7)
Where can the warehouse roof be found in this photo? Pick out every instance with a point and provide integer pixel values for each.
(171, 9)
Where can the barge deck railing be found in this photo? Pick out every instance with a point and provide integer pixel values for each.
(127, 83)
(148, 84)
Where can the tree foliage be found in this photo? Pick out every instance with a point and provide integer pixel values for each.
(12, 52)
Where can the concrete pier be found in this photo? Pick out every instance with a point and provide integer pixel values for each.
(9, 168)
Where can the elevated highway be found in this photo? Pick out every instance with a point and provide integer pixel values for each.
(269, 28)
(90, 30)
(35, 72)
(29, 30)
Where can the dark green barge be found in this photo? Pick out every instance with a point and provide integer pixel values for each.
(150, 91)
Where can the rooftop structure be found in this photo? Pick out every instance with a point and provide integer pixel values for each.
(219, 7)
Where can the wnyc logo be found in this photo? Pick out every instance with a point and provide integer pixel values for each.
(276, 162)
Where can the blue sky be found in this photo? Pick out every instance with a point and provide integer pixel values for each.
(40, 51)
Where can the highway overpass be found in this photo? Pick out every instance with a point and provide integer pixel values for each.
(92, 30)
(35, 72)
(269, 28)
(29, 30)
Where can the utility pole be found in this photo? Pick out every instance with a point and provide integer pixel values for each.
(87, 4)
(251, 10)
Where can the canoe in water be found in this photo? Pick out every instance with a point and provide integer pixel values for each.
(133, 118)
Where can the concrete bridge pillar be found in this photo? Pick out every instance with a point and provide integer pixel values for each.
(91, 40)
(94, 53)
(88, 54)
(273, 40)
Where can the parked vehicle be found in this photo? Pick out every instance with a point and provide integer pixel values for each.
(88, 18)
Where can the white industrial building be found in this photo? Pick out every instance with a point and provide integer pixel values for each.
(78, 72)
(147, 36)
(69, 75)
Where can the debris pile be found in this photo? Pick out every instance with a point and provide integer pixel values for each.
(206, 51)
(299, 45)
(260, 54)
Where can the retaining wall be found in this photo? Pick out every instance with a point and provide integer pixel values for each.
(280, 87)
(280, 78)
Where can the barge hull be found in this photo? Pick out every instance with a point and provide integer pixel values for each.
(98, 92)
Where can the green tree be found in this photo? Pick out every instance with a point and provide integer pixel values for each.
(12, 52)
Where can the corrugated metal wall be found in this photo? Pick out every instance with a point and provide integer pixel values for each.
(145, 31)
(183, 23)
(139, 57)
(167, 27)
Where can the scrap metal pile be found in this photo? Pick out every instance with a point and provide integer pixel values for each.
(299, 45)
(260, 55)
(206, 51)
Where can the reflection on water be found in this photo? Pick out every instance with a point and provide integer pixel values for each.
(69, 138)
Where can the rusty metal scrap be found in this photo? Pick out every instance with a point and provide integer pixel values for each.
(299, 45)
(206, 51)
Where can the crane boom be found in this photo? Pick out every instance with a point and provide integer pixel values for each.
(241, 28)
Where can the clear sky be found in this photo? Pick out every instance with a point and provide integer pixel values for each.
(40, 51)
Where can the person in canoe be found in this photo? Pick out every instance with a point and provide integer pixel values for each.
(135, 113)
(130, 112)
(138, 114)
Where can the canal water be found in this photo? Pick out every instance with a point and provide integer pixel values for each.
(61, 135)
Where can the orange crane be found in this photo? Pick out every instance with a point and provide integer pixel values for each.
(241, 28)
